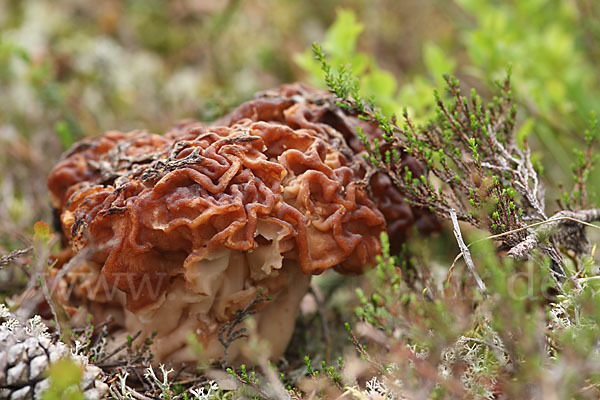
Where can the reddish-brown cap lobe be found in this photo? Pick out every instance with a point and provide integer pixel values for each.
(190, 197)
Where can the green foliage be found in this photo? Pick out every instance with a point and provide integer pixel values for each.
(551, 48)
(385, 283)
(543, 41)
(65, 375)
(51, 92)
(479, 345)
(340, 42)
(585, 161)
(478, 165)
(550, 45)
(469, 147)
(341, 45)
(245, 376)
(474, 165)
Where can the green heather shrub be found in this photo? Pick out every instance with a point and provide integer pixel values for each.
(501, 333)
(551, 47)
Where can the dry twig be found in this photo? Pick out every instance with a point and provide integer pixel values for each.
(465, 252)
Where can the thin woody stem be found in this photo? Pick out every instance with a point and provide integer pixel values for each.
(465, 252)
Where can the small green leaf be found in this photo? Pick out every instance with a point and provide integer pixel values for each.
(524, 131)
(64, 133)
(42, 232)
(437, 63)
(343, 34)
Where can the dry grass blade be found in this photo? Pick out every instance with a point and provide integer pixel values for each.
(13, 255)
(464, 249)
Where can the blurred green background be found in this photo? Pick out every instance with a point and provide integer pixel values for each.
(71, 69)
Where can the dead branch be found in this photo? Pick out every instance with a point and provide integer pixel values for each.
(465, 252)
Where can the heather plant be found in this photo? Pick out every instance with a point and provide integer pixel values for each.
(549, 45)
(476, 170)
(496, 340)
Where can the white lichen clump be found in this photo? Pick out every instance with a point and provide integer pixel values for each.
(26, 353)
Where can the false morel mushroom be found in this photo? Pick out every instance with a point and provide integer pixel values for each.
(177, 233)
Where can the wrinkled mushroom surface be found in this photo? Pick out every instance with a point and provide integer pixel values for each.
(181, 231)
(301, 107)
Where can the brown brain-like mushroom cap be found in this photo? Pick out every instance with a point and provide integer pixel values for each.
(188, 226)
(301, 107)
